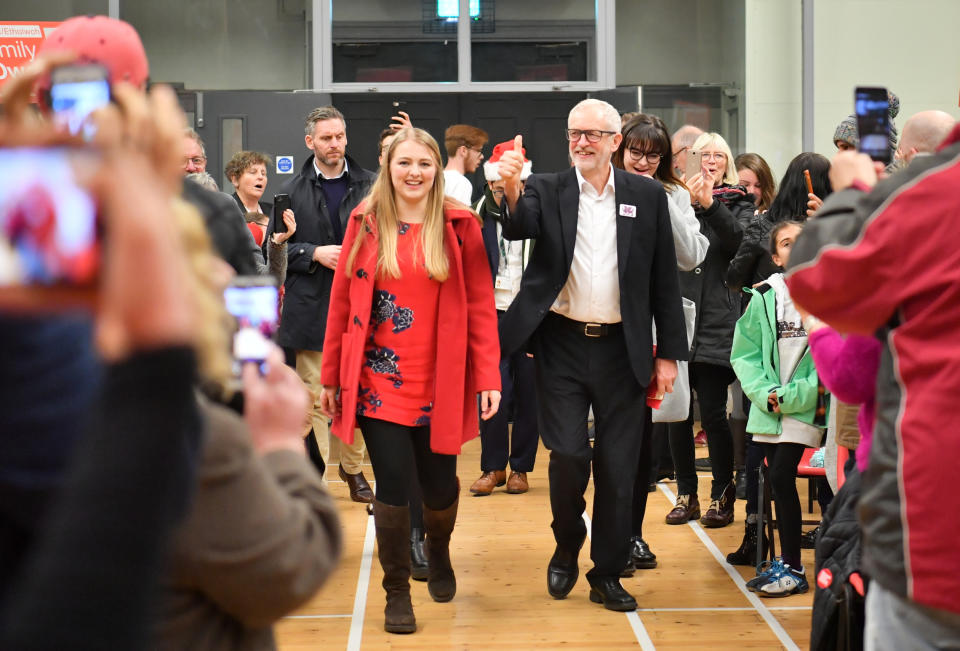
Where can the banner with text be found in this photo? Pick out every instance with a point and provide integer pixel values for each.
(19, 43)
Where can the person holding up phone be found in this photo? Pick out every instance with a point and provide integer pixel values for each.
(723, 208)
(411, 341)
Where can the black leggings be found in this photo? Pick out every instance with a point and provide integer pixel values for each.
(397, 452)
(782, 460)
(710, 381)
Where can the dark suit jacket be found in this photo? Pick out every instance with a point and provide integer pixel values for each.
(649, 285)
(265, 206)
(304, 319)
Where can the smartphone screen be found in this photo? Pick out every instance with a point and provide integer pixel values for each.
(49, 234)
(252, 301)
(75, 93)
(873, 122)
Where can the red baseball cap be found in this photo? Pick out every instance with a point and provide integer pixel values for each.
(112, 43)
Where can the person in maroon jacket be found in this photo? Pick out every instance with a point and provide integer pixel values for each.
(411, 340)
(883, 262)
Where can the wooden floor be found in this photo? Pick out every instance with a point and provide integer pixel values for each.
(500, 550)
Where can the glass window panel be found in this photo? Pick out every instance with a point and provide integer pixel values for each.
(536, 40)
(54, 9)
(382, 41)
(218, 45)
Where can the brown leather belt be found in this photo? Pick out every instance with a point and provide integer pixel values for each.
(588, 329)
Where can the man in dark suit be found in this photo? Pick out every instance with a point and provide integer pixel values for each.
(603, 270)
(322, 196)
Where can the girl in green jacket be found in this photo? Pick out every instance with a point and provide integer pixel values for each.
(771, 358)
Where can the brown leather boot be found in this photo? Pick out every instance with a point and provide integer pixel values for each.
(441, 582)
(720, 513)
(686, 508)
(393, 549)
(488, 481)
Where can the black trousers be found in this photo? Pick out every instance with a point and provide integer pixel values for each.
(573, 372)
(22, 514)
(710, 381)
(782, 460)
(646, 470)
(518, 402)
(397, 452)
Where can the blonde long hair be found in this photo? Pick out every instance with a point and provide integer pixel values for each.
(381, 207)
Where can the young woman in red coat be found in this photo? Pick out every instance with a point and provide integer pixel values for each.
(411, 340)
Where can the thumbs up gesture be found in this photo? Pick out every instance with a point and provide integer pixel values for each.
(511, 165)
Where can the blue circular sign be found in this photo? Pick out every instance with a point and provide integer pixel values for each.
(284, 164)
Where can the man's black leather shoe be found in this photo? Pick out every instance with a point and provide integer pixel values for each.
(610, 593)
(640, 555)
(562, 573)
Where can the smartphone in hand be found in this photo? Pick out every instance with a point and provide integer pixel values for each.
(76, 91)
(281, 202)
(252, 302)
(694, 164)
(872, 106)
(49, 232)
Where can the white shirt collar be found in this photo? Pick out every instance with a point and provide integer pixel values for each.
(581, 182)
(324, 176)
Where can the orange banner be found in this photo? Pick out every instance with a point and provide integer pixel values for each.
(19, 44)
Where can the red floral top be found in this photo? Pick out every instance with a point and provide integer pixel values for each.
(397, 378)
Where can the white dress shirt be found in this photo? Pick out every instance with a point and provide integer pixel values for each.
(457, 186)
(507, 283)
(592, 291)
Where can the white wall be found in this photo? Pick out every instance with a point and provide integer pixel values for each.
(772, 98)
(909, 46)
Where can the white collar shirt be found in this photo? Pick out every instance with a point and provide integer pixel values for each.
(321, 175)
(592, 291)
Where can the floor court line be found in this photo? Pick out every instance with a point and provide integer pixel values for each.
(758, 605)
(363, 583)
(318, 616)
(639, 631)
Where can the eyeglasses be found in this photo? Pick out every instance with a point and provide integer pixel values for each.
(652, 157)
(196, 160)
(714, 155)
(592, 135)
(680, 151)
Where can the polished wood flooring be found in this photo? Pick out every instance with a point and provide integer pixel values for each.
(500, 550)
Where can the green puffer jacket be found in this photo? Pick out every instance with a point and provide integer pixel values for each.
(755, 358)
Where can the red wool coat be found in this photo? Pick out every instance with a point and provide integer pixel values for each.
(468, 350)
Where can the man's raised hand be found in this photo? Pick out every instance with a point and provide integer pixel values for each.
(511, 165)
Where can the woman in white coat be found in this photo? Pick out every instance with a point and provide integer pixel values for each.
(646, 151)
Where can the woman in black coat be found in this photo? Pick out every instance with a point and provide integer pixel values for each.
(723, 209)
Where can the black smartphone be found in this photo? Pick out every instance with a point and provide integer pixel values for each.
(873, 122)
(252, 302)
(76, 91)
(49, 232)
(281, 202)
